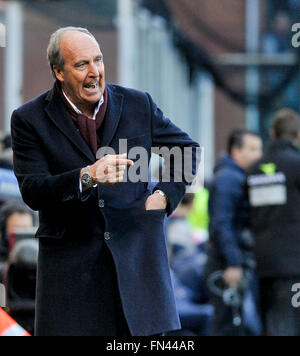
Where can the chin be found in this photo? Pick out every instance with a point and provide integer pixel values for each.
(93, 99)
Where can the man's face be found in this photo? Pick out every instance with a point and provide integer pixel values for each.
(18, 220)
(83, 75)
(251, 151)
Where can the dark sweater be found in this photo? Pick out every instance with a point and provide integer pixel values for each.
(276, 226)
(228, 209)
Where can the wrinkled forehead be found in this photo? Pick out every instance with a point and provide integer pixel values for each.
(77, 45)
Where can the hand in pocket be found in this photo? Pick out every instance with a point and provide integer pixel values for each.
(156, 202)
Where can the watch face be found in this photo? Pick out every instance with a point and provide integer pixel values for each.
(86, 179)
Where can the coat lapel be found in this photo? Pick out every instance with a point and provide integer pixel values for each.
(60, 116)
(58, 113)
(113, 115)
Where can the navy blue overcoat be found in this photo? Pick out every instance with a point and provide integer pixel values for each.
(49, 154)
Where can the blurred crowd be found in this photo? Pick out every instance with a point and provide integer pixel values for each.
(233, 247)
(18, 249)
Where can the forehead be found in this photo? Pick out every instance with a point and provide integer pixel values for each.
(77, 46)
(250, 140)
(18, 216)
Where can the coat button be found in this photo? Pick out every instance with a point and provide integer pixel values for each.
(107, 236)
(101, 203)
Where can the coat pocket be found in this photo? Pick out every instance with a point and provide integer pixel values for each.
(50, 225)
(45, 231)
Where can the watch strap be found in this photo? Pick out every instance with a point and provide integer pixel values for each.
(86, 179)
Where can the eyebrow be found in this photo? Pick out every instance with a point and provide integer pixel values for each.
(83, 61)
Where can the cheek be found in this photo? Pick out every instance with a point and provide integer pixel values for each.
(80, 80)
(253, 155)
(77, 78)
(102, 71)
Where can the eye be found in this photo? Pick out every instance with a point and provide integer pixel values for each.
(81, 65)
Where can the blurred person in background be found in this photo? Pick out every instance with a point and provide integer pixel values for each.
(6, 157)
(9, 189)
(18, 277)
(229, 248)
(178, 228)
(195, 316)
(187, 261)
(13, 214)
(278, 37)
(187, 255)
(277, 41)
(199, 217)
(274, 195)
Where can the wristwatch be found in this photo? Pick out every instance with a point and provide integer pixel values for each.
(162, 194)
(86, 178)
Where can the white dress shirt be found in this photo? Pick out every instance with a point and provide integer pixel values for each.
(97, 108)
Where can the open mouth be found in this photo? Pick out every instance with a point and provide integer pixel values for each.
(91, 87)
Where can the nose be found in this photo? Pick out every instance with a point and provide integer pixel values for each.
(93, 70)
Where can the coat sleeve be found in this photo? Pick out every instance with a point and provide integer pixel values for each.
(166, 135)
(38, 187)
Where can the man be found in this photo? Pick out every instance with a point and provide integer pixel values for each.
(13, 214)
(228, 249)
(17, 271)
(274, 193)
(103, 267)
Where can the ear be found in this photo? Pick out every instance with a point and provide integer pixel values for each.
(234, 149)
(59, 74)
(234, 153)
(272, 134)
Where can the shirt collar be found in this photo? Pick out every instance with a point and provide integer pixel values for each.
(97, 108)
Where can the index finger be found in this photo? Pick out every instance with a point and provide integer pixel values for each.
(123, 155)
(123, 162)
